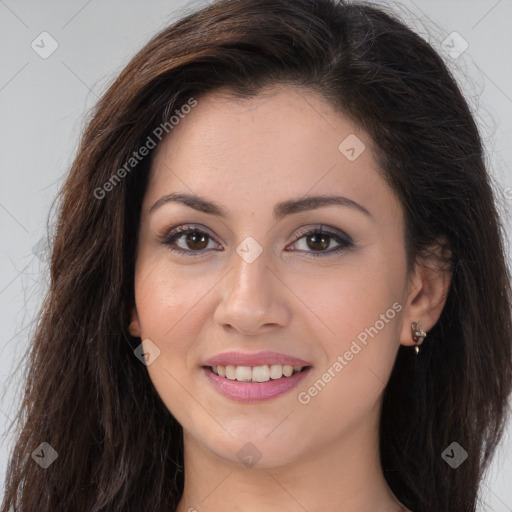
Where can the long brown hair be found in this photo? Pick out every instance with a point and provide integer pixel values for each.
(91, 399)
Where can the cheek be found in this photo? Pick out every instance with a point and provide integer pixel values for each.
(168, 300)
(347, 299)
(358, 312)
(350, 381)
(172, 307)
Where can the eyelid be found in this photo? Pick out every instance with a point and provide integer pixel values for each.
(174, 233)
(324, 229)
(304, 230)
(344, 241)
(183, 228)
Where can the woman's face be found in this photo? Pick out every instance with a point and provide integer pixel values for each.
(295, 258)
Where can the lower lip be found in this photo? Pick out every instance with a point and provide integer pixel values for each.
(254, 391)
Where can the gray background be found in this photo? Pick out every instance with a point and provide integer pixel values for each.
(43, 102)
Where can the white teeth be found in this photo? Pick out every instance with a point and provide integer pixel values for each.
(276, 371)
(287, 370)
(261, 373)
(257, 373)
(243, 373)
(230, 372)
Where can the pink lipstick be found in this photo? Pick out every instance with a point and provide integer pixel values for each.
(255, 376)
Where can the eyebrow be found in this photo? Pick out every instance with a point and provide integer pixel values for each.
(281, 210)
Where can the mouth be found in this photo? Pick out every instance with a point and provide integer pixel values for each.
(254, 376)
(262, 373)
(249, 384)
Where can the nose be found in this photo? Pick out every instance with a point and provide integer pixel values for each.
(253, 298)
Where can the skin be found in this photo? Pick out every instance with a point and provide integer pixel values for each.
(247, 155)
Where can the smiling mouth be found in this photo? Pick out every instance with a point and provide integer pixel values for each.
(263, 373)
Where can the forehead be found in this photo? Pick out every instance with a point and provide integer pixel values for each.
(284, 142)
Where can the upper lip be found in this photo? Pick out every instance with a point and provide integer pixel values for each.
(238, 358)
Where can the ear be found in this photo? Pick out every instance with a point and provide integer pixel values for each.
(134, 327)
(427, 291)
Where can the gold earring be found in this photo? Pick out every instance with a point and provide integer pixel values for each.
(418, 335)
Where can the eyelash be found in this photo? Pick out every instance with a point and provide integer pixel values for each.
(344, 240)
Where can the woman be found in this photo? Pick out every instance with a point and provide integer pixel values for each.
(278, 279)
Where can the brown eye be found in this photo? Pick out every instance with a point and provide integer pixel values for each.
(315, 242)
(187, 240)
(196, 240)
(318, 241)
